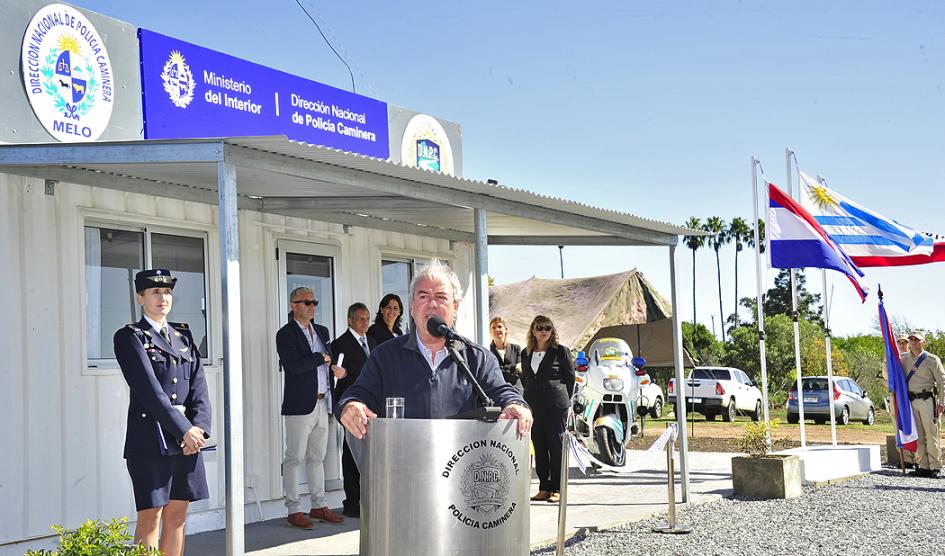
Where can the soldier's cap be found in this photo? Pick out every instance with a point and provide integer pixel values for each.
(902, 338)
(917, 334)
(154, 278)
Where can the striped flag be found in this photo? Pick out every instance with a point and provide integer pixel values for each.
(795, 240)
(869, 238)
(906, 435)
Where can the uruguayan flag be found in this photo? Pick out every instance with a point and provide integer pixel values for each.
(869, 238)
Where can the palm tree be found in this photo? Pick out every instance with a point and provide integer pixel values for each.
(741, 235)
(716, 226)
(694, 243)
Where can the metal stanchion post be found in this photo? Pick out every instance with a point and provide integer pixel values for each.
(671, 527)
(563, 502)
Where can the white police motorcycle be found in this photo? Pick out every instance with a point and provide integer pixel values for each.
(606, 390)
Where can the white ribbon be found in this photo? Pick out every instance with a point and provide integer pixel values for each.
(584, 459)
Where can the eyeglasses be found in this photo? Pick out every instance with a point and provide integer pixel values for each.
(543, 328)
(307, 302)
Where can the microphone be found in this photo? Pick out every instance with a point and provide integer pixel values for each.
(438, 327)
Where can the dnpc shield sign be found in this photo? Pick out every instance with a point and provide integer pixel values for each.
(67, 74)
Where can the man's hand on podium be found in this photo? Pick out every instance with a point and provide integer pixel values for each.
(355, 417)
(520, 412)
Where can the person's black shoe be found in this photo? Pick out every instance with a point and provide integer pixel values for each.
(934, 474)
(351, 512)
(920, 472)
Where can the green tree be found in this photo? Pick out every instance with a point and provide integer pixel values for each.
(742, 350)
(699, 341)
(740, 234)
(777, 300)
(761, 234)
(694, 243)
(716, 226)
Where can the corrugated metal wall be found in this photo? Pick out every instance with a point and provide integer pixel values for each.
(63, 427)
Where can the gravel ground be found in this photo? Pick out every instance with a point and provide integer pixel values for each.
(880, 513)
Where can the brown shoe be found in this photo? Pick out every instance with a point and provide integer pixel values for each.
(542, 495)
(553, 498)
(300, 520)
(325, 514)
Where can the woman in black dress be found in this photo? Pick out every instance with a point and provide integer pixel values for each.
(548, 378)
(387, 321)
(168, 415)
(508, 354)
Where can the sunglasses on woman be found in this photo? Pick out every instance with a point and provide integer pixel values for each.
(543, 328)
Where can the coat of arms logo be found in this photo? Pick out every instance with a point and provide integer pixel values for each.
(178, 80)
(67, 74)
(485, 484)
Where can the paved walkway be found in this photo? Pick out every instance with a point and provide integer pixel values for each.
(594, 502)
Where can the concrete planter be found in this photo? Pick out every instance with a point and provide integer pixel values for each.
(771, 476)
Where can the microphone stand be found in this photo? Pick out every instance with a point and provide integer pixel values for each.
(489, 412)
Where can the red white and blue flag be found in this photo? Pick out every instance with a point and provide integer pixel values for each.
(796, 240)
(869, 238)
(906, 435)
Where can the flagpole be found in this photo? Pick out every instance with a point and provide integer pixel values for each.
(794, 316)
(760, 307)
(826, 313)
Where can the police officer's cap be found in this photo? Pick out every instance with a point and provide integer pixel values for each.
(154, 278)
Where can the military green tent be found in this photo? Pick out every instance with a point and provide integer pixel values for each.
(624, 305)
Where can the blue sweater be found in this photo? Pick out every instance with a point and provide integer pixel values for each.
(397, 369)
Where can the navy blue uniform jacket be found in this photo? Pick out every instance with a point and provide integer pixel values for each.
(300, 365)
(161, 374)
(396, 369)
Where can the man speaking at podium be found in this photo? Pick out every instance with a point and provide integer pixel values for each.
(418, 367)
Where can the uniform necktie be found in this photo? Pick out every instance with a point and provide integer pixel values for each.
(364, 346)
(165, 335)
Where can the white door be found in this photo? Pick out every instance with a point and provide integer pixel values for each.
(313, 266)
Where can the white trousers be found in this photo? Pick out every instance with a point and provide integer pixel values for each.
(306, 441)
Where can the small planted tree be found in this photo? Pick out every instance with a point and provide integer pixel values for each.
(97, 538)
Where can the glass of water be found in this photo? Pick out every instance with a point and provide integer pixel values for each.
(395, 408)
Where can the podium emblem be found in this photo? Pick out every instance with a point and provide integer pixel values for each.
(485, 484)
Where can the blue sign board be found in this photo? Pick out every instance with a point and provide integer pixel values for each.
(190, 91)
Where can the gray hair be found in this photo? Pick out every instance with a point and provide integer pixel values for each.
(440, 271)
(299, 291)
(355, 307)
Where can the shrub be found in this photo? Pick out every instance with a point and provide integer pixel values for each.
(755, 443)
(97, 538)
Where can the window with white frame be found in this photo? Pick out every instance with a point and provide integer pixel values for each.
(114, 254)
(396, 274)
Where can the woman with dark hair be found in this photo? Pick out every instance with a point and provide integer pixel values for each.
(387, 321)
(548, 379)
(507, 353)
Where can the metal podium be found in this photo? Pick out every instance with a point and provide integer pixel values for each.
(438, 487)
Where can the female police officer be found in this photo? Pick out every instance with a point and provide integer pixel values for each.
(168, 414)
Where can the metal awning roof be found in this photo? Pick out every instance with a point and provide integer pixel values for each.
(277, 175)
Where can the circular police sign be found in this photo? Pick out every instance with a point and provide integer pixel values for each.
(67, 74)
(426, 146)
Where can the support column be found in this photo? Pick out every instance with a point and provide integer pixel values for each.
(481, 276)
(681, 401)
(232, 359)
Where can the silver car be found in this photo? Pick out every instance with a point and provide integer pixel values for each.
(850, 401)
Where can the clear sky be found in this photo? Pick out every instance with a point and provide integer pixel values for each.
(651, 108)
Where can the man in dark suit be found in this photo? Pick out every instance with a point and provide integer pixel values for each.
(356, 347)
(305, 356)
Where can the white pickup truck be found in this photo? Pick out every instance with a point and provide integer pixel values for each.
(724, 391)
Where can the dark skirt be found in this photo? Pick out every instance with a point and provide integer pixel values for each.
(158, 479)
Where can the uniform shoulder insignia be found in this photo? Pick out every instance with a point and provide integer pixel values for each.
(133, 327)
(180, 325)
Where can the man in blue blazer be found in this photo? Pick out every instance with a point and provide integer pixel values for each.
(305, 357)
